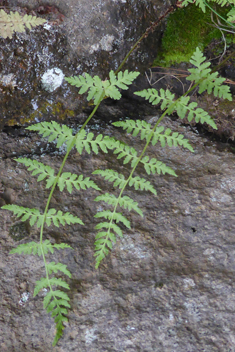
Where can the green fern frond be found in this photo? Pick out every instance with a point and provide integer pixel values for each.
(53, 267)
(44, 282)
(53, 130)
(206, 80)
(95, 87)
(145, 130)
(112, 176)
(118, 217)
(125, 202)
(142, 184)
(36, 248)
(69, 181)
(14, 22)
(126, 152)
(154, 97)
(36, 217)
(39, 168)
(87, 141)
(60, 218)
(199, 3)
(26, 213)
(54, 302)
(231, 15)
(153, 166)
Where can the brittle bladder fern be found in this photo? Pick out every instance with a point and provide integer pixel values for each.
(56, 301)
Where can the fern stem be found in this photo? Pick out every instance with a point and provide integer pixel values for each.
(217, 14)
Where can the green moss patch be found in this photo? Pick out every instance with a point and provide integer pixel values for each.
(186, 29)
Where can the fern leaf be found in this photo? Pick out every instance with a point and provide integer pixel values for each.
(53, 267)
(126, 152)
(199, 3)
(36, 248)
(207, 81)
(135, 127)
(231, 15)
(112, 176)
(53, 130)
(118, 217)
(39, 168)
(153, 166)
(14, 22)
(60, 218)
(142, 184)
(25, 214)
(87, 141)
(96, 88)
(69, 181)
(154, 97)
(125, 202)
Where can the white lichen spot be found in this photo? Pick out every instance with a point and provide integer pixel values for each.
(90, 336)
(52, 79)
(106, 43)
(47, 26)
(188, 283)
(24, 298)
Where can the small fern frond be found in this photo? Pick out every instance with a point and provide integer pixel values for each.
(44, 282)
(125, 202)
(87, 141)
(54, 302)
(206, 80)
(112, 176)
(153, 166)
(183, 107)
(126, 152)
(199, 3)
(95, 87)
(26, 213)
(60, 218)
(231, 15)
(14, 22)
(118, 217)
(142, 184)
(154, 97)
(69, 181)
(53, 267)
(53, 130)
(36, 248)
(36, 217)
(144, 128)
(39, 168)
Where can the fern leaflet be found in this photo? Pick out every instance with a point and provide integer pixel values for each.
(206, 80)
(36, 248)
(36, 217)
(125, 202)
(14, 22)
(96, 87)
(53, 130)
(87, 141)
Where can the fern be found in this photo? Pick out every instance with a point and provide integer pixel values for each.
(37, 218)
(206, 80)
(14, 22)
(38, 248)
(96, 87)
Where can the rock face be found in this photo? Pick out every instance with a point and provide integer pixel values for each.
(80, 36)
(168, 285)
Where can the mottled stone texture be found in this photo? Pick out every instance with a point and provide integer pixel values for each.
(81, 36)
(167, 286)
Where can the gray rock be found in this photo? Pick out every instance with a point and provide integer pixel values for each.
(168, 285)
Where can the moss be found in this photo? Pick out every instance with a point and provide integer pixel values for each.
(186, 29)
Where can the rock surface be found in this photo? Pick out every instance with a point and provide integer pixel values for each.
(80, 36)
(167, 286)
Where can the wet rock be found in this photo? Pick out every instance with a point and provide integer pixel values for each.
(80, 36)
(168, 285)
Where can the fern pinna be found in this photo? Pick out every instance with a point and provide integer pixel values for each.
(56, 301)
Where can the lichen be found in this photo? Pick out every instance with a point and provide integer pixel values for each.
(187, 28)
